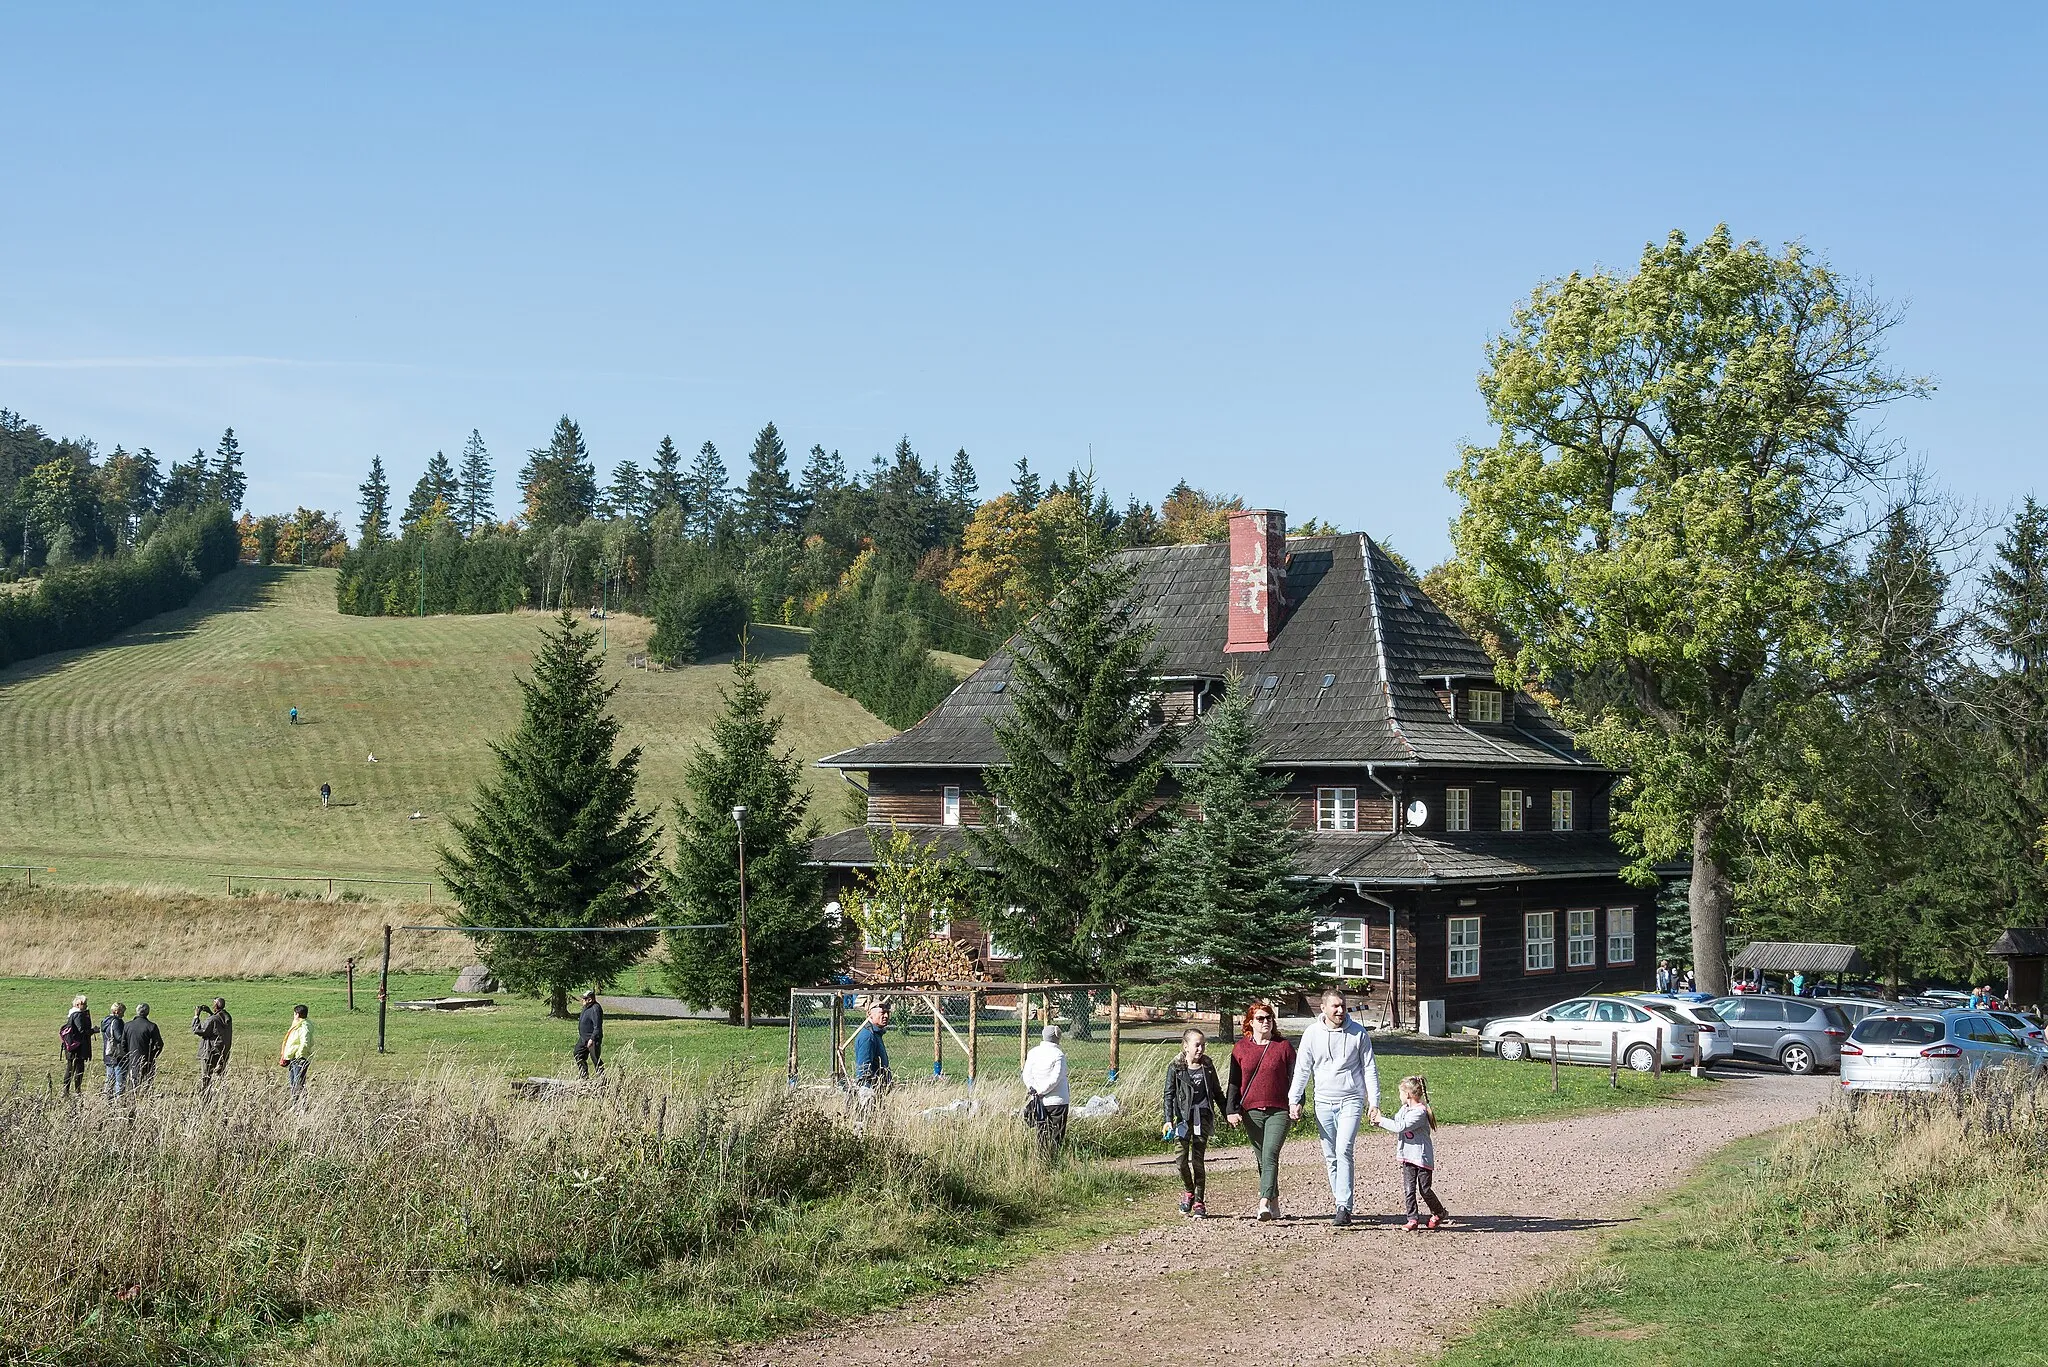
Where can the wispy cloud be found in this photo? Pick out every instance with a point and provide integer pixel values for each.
(163, 362)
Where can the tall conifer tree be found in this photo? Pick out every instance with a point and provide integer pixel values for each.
(225, 482)
(771, 505)
(477, 500)
(435, 496)
(558, 480)
(374, 519)
(708, 493)
(626, 495)
(555, 838)
(665, 480)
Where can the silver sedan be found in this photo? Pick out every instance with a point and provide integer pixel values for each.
(1593, 1030)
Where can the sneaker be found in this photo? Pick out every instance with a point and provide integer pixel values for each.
(1199, 1211)
(1438, 1221)
(1266, 1211)
(1187, 1201)
(1342, 1218)
(1412, 1225)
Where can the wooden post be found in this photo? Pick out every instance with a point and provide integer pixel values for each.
(1023, 1029)
(351, 982)
(1614, 1058)
(792, 1038)
(1116, 1034)
(330, 889)
(1657, 1064)
(838, 1034)
(383, 988)
(973, 1037)
(1698, 1055)
(1553, 1063)
(938, 1037)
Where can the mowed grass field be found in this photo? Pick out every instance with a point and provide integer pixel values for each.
(165, 755)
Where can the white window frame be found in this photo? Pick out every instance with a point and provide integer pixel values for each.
(1484, 704)
(1539, 942)
(1561, 804)
(1582, 938)
(1457, 809)
(1341, 952)
(1331, 810)
(1621, 933)
(994, 950)
(1512, 804)
(1375, 969)
(949, 806)
(1461, 950)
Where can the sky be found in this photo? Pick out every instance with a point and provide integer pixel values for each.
(1259, 248)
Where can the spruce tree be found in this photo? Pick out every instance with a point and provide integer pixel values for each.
(225, 482)
(185, 486)
(665, 480)
(435, 496)
(373, 519)
(789, 941)
(1026, 485)
(1070, 838)
(554, 838)
(707, 493)
(558, 480)
(2014, 614)
(476, 501)
(1232, 921)
(771, 504)
(963, 487)
(626, 496)
(823, 479)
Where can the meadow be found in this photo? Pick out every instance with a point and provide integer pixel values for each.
(164, 757)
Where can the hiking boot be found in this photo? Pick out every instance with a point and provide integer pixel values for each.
(1187, 1200)
(1412, 1225)
(1199, 1211)
(1342, 1218)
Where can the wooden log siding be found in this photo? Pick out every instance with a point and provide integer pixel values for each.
(1503, 987)
(1375, 813)
(1589, 799)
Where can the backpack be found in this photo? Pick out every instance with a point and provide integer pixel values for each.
(67, 1036)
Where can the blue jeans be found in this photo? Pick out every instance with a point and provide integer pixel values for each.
(1337, 1120)
(117, 1077)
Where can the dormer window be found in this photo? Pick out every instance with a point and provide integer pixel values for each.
(951, 808)
(1485, 704)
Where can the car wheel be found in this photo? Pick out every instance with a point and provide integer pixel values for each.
(1513, 1048)
(1796, 1058)
(1642, 1058)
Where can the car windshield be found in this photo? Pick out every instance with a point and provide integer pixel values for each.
(1913, 1030)
(1705, 1011)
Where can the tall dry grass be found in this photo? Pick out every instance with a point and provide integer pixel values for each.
(130, 1231)
(86, 932)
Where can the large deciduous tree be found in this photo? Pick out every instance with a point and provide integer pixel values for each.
(1671, 506)
(555, 838)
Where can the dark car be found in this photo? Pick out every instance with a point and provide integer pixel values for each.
(1798, 1034)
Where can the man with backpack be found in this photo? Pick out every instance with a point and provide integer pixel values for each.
(145, 1042)
(74, 1037)
(114, 1047)
(216, 1031)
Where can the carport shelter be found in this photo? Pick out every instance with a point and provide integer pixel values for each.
(2024, 949)
(1786, 957)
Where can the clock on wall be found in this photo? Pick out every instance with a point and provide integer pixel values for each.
(1418, 812)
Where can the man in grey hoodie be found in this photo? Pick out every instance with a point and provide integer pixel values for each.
(1335, 1052)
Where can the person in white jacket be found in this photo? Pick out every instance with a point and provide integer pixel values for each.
(1413, 1128)
(1045, 1077)
(1335, 1053)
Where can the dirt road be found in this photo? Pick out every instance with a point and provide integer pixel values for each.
(1524, 1198)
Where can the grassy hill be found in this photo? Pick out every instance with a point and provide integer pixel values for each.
(164, 756)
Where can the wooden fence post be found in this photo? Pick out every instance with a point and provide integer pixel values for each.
(1023, 1029)
(351, 982)
(838, 1034)
(938, 1037)
(1657, 1063)
(383, 988)
(1614, 1058)
(1116, 1034)
(792, 1038)
(973, 1038)
(1553, 1063)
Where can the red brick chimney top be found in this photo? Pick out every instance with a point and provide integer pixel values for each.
(1258, 559)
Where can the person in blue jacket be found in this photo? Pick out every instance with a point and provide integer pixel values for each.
(870, 1051)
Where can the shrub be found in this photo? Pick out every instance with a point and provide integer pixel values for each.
(698, 616)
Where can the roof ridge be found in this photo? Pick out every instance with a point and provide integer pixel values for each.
(1379, 641)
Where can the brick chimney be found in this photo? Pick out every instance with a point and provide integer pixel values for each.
(1258, 558)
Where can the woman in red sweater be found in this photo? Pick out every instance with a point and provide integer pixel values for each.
(1261, 1066)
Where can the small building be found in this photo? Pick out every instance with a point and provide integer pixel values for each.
(1462, 837)
(2025, 950)
(1816, 961)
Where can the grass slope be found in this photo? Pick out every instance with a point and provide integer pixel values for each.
(165, 756)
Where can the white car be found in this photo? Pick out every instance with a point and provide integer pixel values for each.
(1716, 1040)
(1595, 1029)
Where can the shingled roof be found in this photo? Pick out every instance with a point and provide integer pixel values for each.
(1354, 618)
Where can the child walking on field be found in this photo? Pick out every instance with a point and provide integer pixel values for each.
(1411, 1127)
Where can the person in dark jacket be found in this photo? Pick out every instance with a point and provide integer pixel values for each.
(216, 1031)
(74, 1037)
(1261, 1067)
(590, 1037)
(1193, 1099)
(114, 1048)
(145, 1042)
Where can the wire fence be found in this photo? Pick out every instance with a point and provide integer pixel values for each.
(955, 1032)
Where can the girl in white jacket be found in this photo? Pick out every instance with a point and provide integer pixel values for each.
(1411, 1127)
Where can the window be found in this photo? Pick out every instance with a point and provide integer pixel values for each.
(1582, 948)
(1343, 952)
(1376, 965)
(1457, 809)
(1485, 704)
(1578, 1010)
(952, 807)
(1511, 809)
(1539, 942)
(995, 950)
(1463, 960)
(1621, 935)
(1336, 809)
(1560, 809)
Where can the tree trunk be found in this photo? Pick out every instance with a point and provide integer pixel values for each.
(558, 1002)
(1709, 899)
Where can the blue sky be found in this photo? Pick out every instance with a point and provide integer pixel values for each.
(1259, 248)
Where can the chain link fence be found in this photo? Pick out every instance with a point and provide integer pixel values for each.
(955, 1032)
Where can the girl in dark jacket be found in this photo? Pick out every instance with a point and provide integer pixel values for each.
(1193, 1099)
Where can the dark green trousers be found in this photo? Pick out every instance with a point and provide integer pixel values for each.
(1267, 1131)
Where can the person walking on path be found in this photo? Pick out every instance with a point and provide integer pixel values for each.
(216, 1031)
(74, 1038)
(114, 1048)
(326, 796)
(145, 1042)
(1045, 1082)
(296, 1057)
(1413, 1127)
(295, 716)
(590, 1037)
(1261, 1068)
(1336, 1054)
(1193, 1099)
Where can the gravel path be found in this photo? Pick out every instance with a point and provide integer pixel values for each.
(1524, 1198)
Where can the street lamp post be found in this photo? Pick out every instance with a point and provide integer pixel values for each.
(739, 820)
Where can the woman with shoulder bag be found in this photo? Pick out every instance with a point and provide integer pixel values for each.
(1193, 1098)
(1261, 1066)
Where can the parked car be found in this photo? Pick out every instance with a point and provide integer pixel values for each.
(1950, 995)
(1798, 1034)
(1854, 1009)
(2025, 1028)
(1715, 1040)
(1588, 1028)
(1923, 1051)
